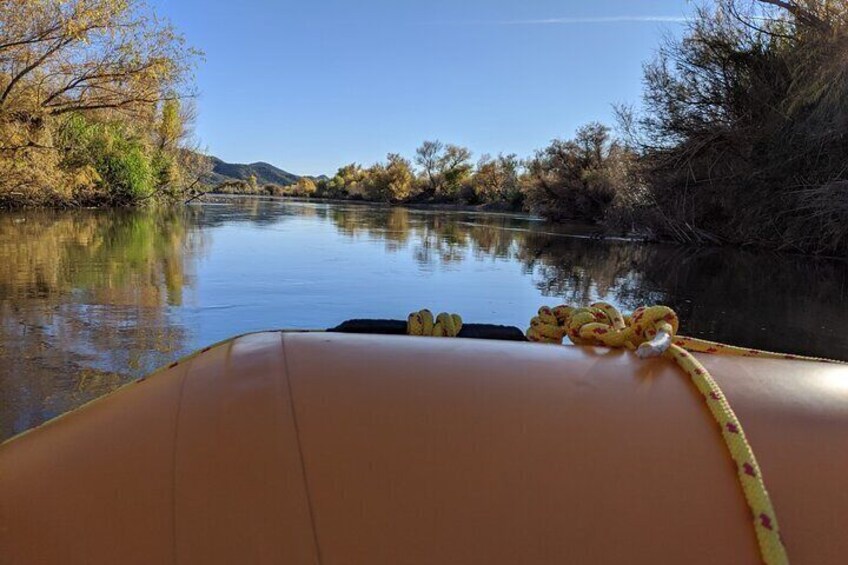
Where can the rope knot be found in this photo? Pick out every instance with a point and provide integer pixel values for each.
(654, 328)
(649, 330)
(551, 324)
(422, 323)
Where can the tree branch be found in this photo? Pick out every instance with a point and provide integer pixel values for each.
(800, 14)
(31, 67)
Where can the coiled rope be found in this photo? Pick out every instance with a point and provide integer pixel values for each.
(422, 323)
(652, 332)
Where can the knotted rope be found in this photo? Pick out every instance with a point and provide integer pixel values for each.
(421, 323)
(651, 332)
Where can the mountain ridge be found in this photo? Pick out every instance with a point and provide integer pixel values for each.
(265, 173)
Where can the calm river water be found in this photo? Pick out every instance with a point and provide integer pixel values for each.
(90, 300)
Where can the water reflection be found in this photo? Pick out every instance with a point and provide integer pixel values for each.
(92, 299)
(762, 300)
(84, 305)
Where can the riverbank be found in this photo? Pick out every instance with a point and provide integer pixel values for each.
(574, 227)
(490, 208)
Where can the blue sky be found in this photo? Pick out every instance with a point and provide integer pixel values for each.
(312, 85)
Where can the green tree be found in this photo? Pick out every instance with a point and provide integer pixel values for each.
(456, 169)
(118, 155)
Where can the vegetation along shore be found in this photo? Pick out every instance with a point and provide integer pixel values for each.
(740, 137)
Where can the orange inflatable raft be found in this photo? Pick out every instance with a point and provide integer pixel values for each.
(332, 448)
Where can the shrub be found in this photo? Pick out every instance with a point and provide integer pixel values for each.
(578, 179)
(743, 137)
(389, 182)
(498, 180)
(121, 160)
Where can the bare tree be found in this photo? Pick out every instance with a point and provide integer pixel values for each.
(428, 157)
(445, 167)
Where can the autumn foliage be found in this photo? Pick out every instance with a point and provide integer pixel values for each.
(92, 103)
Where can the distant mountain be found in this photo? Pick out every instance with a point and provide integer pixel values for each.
(264, 172)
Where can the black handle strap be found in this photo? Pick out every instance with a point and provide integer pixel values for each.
(398, 327)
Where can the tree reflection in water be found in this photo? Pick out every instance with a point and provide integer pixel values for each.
(82, 294)
(763, 300)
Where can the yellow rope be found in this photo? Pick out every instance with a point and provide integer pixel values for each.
(652, 331)
(421, 323)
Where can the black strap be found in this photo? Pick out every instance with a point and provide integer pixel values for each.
(398, 327)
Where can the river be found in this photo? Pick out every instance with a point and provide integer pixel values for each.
(92, 299)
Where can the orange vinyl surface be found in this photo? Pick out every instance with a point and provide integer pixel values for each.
(351, 449)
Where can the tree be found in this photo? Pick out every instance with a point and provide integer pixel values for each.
(389, 182)
(455, 169)
(742, 134)
(444, 167)
(428, 157)
(400, 178)
(305, 186)
(579, 178)
(347, 181)
(171, 127)
(497, 180)
(178, 165)
(90, 106)
(60, 56)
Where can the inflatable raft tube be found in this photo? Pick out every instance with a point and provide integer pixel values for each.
(300, 448)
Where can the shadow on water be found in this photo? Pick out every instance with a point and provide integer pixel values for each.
(92, 299)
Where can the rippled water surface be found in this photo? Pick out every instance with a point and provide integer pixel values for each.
(92, 299)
